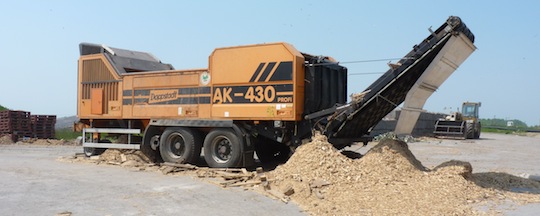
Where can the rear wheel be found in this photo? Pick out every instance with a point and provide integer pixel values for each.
(179, 145)
(150, 144)
(222, 148)
(90, 151)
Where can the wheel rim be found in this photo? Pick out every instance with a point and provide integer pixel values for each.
(154, 142)
(88, 151)
(222, 149)
(176, 145)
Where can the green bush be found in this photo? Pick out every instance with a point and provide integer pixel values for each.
(66, 134)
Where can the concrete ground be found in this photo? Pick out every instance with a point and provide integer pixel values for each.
(33, 182)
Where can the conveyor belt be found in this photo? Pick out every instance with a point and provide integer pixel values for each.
(390, 89)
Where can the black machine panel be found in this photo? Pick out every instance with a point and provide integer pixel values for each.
(326, 84)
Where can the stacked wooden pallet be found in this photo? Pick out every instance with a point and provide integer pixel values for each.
(43, 126)
(21, 124)
(17, 124)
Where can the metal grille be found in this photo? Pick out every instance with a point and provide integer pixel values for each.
(95, 70)
(110, 90)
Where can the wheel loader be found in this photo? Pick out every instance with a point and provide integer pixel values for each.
(464, 124)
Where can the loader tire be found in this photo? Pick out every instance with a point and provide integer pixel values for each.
(469, 130)
(222, 148)
(478, 129)
(180, 145)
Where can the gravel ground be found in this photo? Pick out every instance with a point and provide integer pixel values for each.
(511, 154)
(35, 183)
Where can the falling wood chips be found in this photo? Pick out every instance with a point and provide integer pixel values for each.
(389, 180)
(359, 97)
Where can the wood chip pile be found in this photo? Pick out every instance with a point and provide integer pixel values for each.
(389, 180)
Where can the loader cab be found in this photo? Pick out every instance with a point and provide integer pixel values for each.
(470, 110)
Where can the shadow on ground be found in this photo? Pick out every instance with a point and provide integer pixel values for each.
(507, 182)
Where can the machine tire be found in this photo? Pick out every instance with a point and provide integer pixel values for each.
(271, 151)
(222, 148)
(150, 144)
(478, 129)
(469, 130)
(179, 145)
(89, 151)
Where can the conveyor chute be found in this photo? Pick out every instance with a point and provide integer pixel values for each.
(357, 118)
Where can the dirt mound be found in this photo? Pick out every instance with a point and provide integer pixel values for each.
(6, 139)
(455, 167)
(392, 155)
(47, 142)
(120, 157)
(504, 181)
(388, 180)
(129, 158)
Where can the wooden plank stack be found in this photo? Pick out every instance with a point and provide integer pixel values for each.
(16, 124)
(43, 126)
(21, 124)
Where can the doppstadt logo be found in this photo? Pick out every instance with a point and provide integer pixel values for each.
(157, 96)
(205, 78)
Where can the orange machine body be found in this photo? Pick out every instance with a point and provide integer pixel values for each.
(264, 98)
(254, 82)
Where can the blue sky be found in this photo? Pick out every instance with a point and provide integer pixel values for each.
(39, 43)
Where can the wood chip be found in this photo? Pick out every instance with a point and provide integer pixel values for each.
(289, 190)
(318, 183)
(389, 180)
(167, 170)
(318, 193)
(186, 166)
(278, 195)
